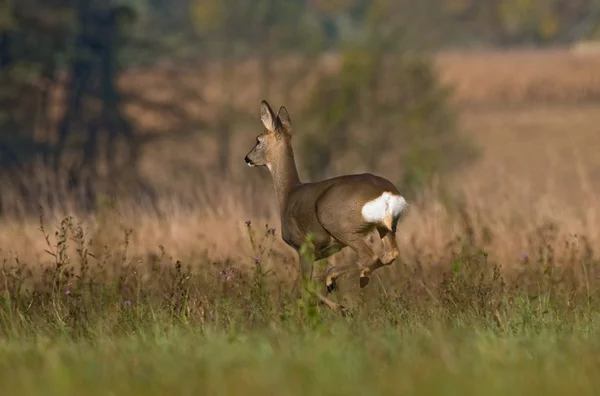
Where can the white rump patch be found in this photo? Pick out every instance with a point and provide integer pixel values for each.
(385, 206)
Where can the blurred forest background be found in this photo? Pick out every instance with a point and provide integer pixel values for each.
(159, 98)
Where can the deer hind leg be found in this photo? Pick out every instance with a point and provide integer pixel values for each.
(388, 255)
(366, 259)
(390, 248)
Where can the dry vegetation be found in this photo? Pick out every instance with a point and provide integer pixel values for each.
(534, 114)
(518, 77)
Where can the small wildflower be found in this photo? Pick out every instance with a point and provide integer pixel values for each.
(248, 223)
(127, 302)
(524, 257)
(271, 231)
(68, 292)
(228, 274)
(256, 260)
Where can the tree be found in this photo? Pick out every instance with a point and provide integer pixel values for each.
(42, 43)
(248, 28)
(383, 95)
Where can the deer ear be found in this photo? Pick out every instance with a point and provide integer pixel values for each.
(267, 116)
(284, 118)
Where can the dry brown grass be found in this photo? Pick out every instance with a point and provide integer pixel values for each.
(539, 166)
(521, 76)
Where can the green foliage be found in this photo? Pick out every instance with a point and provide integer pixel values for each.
(528, 18)
(384, 96)
(253, 26)
(381, 100)
(298, 24)
(342, 360)
(510, 22)
(47, 42)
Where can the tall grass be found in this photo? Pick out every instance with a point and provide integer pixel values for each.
(104, 320)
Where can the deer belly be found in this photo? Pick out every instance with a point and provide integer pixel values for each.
(326, 247)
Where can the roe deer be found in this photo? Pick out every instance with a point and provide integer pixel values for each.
(337, 212)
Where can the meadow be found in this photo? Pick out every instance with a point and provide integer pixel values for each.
(496, 289)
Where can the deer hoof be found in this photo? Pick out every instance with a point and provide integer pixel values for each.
(344, 311)
(331, 286)
(364, 281)
(330, 282)
(365, 277)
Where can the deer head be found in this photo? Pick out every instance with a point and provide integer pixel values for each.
(274, 140)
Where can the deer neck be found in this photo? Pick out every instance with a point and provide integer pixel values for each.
(285, 176)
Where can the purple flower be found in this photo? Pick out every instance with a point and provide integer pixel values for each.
(524, 257)
(256, 260)
(127, 302)
(271, 231)
(68, 292)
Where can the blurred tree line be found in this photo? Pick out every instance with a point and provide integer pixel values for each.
(83, 142)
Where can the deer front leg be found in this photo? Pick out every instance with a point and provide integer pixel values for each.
(306, 283)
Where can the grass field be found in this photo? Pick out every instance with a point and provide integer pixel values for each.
(335, 361)
(498, 293)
